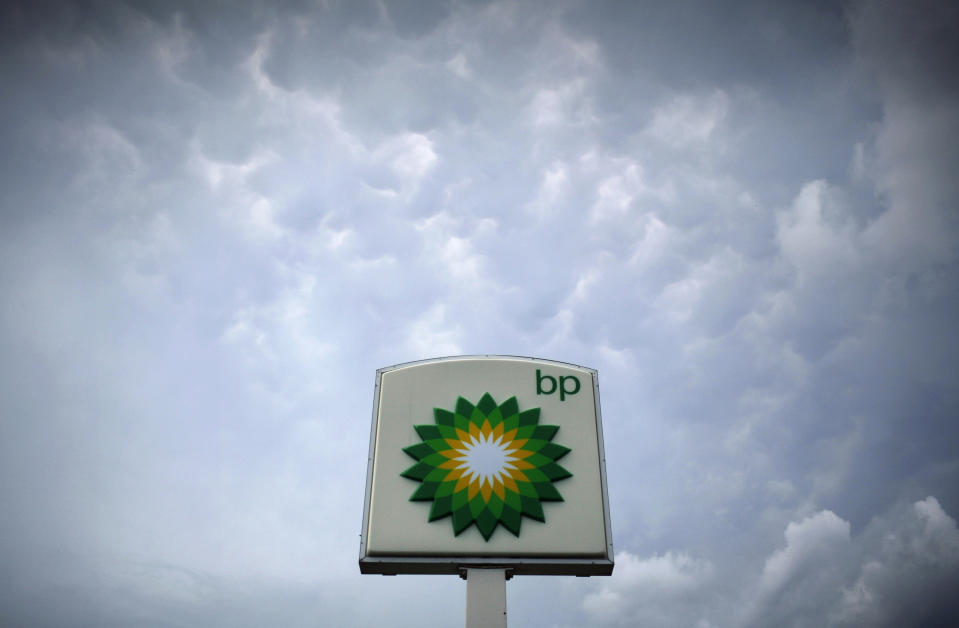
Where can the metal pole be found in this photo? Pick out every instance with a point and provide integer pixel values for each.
(485, 598)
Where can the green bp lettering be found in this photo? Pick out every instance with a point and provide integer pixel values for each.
(567, 385)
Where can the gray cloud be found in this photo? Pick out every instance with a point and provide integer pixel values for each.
(897, 571)
(218, 223)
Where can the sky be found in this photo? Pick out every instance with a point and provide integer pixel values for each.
(218, 219)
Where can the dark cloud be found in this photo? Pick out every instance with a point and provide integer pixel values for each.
(910, 48)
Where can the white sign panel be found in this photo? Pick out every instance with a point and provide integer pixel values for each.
(486, 461)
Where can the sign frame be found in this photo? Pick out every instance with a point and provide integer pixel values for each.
(515, 564)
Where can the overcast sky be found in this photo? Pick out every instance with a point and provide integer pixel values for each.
(218, 220)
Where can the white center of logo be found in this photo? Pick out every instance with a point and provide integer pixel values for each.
(486, 458)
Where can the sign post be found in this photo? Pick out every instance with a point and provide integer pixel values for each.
(485, 598)
(490, 466)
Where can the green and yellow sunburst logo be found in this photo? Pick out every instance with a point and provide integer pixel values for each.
(489, 464)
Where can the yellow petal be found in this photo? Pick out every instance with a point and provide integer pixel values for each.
(519, 476)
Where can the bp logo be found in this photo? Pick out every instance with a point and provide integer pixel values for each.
(489, 464)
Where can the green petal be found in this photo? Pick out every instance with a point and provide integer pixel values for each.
(529, 417)
(426, 491)
(526, 489)
(448, 431)
(534, 444)
(511, 519)
(535, 475)
(462, 518)
(443, 417)
(486, 404)
(464, 407)
(418, 472)
(446, 488)
(539, 461)
(434, 459)
(547, 492)
(428, 432)
(513, 500)
(419, 450)
(525, 431)
(554, 451)
(555, 472)
(486, 523)
(509, 407)
(438, 445)
(477, 504)
(533, 509)
(495, 505)
(545, 432)
(442, 506)
(437, 475)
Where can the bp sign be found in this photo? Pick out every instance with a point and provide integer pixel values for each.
(486, 461)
